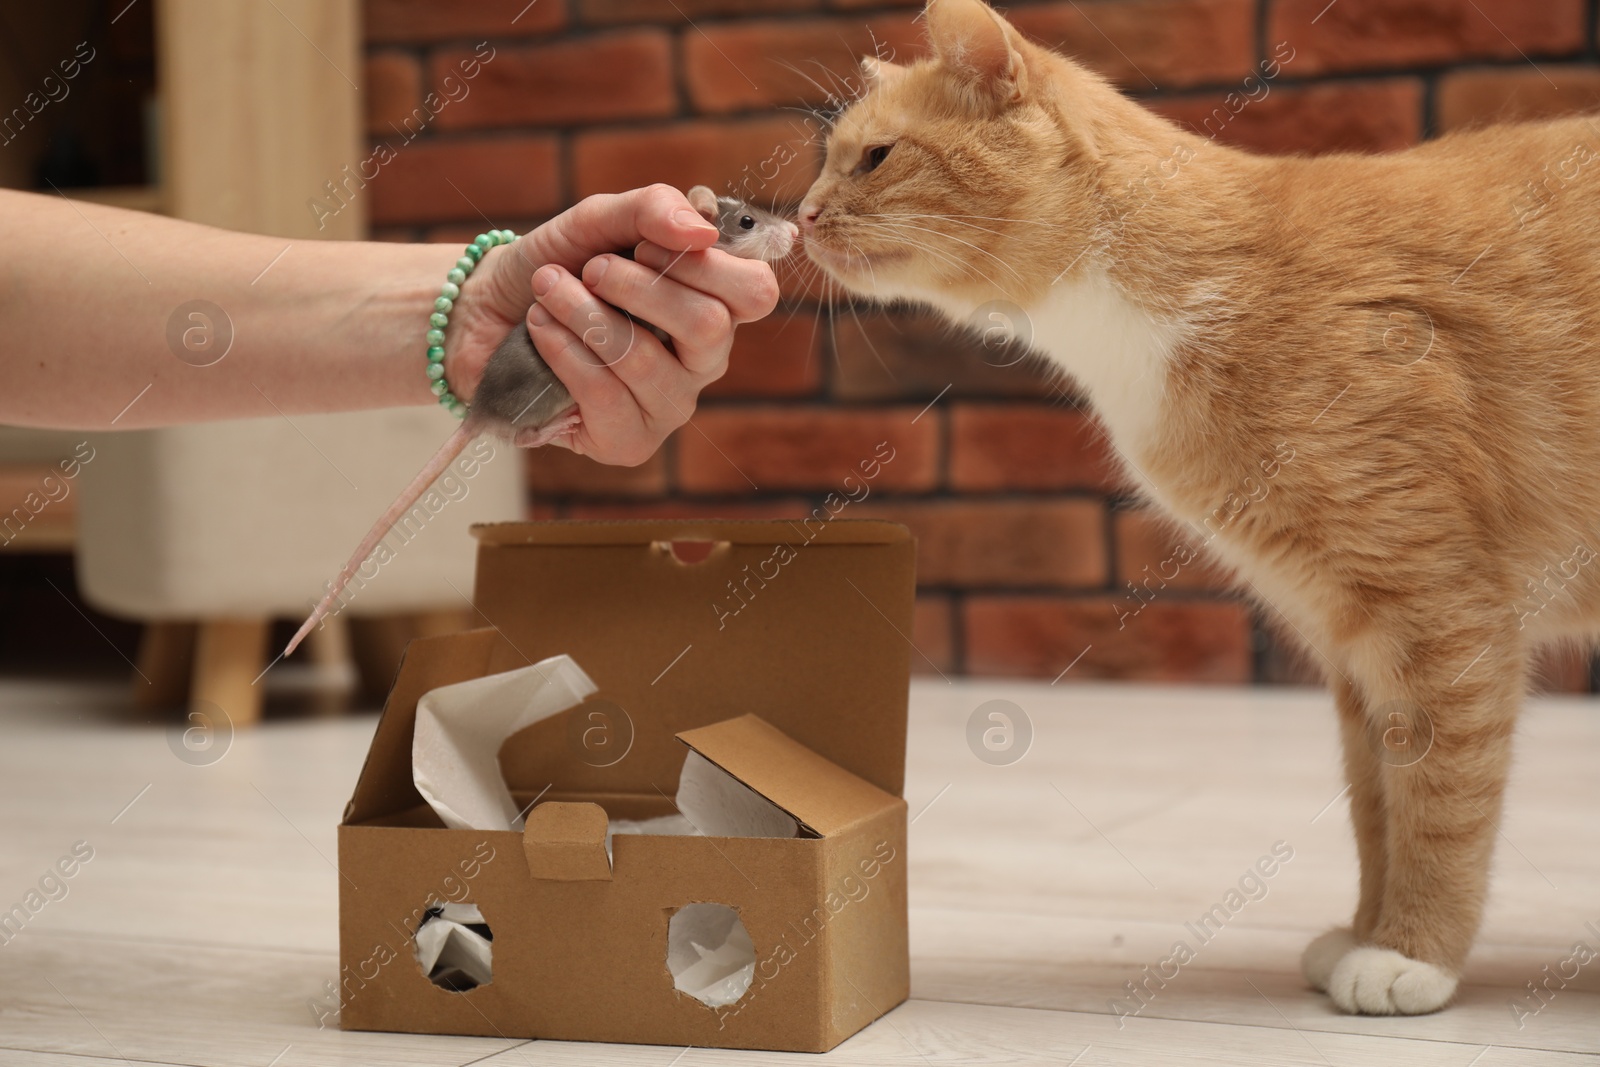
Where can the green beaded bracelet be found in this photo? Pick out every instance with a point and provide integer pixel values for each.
(440, 316)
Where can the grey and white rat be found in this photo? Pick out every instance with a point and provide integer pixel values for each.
(519, 398)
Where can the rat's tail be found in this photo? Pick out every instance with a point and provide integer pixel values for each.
(436, 466)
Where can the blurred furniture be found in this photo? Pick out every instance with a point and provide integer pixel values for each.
(210, 532)
(27, 458)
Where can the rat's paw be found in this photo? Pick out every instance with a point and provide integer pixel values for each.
(1380, 981)
(1323, 955)
(535, 437)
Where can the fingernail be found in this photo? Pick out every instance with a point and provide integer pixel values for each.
(595, 270)
(539, 315)
(544, 280)
(692, 219)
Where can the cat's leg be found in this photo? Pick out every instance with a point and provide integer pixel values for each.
(1458, 694)
(1362, 771)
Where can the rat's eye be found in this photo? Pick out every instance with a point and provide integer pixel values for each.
(873, 158)
(747, 223)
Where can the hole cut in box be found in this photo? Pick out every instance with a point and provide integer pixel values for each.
(709, 953)
(692, 553)
(454, 947)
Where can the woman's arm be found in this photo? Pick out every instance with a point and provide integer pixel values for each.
(87, 294)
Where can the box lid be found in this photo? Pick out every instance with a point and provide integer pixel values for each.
(820, 794)
(805, 623)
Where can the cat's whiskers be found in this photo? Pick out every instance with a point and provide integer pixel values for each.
(888, 232)
(833, 322)
(851, 245)
(859, 325)
(905, 233)
(897, 231)
(811, 112)
(816, 324)
(807, 272)
(960, 267)
(850, 95)
(989, 218)
(946, 218)
(804, 271)
(951, 237)
(827, 93)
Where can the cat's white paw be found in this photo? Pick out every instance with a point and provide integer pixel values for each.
(1381, 981)
(1323, 955)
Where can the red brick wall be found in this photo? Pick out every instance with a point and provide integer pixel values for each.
(1027, 542)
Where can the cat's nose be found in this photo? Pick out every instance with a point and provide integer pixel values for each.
(808, 217)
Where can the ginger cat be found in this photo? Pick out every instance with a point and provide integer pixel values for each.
(1374, 381)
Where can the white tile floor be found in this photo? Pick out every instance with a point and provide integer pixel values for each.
(206, 921)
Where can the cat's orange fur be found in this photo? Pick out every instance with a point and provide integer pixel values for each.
(1393, 361)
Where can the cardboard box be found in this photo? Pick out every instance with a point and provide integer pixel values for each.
(783, 658)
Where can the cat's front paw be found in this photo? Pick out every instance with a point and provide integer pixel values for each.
(1380, 981)
(1323, 955)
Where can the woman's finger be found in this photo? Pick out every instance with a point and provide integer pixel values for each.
(700, 325)
(747, 287)
(610, 335)
(606, 222)
(607, 407)
(616, 370)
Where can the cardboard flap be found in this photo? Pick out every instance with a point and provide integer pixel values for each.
(566, 842)
(804, 622)
(386, 786)
(821, 795)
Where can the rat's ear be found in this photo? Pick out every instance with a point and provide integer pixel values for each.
(703, 200)
(877, 72)
(973, 40)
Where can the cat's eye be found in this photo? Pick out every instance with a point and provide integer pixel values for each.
(873, 158)
(747, 223)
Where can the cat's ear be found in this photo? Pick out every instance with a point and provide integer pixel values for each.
(877, 72)
(970, 38)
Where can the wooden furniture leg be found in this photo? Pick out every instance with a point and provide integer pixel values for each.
(228, 656)
(378, 642)
(328, 651)
(166, 658)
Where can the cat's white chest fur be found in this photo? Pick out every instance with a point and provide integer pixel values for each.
(1115, 350)
(1118, 352)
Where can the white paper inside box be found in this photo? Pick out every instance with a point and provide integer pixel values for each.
(778, 922)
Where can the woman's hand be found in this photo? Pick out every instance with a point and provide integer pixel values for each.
(631, 390)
